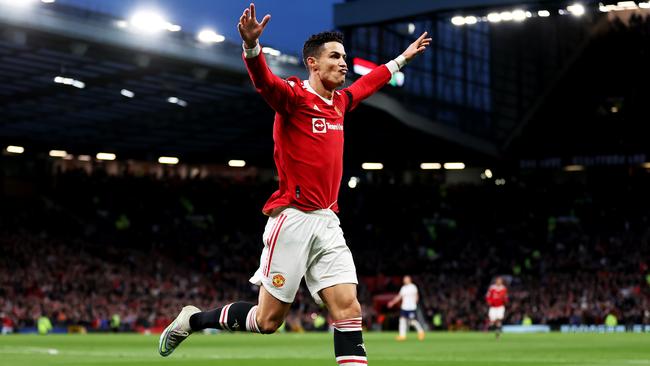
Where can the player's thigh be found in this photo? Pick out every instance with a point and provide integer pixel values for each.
(331, 264)
(271, 312)
(286, 251)
(341, 301)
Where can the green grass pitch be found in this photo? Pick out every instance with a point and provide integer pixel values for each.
(455, 349)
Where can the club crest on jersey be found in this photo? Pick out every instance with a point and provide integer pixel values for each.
(278, 280)
(318, 125)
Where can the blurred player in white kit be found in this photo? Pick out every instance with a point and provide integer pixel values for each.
(408, 294)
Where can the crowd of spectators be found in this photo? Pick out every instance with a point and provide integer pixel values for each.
(81, 248)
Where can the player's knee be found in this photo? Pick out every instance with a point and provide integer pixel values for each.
(269, 325)
(348, 308)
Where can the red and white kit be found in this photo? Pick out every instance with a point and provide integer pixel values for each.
(302, 236)
(497, 297)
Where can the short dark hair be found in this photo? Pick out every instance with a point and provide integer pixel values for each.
(313, 46)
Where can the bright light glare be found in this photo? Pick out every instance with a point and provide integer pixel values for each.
(372, 166)
(84, 157)
(18, 3)
(576, 9)
(471, 20)
(458, 20)
(70, 81)
(271, 51)
(627, 4)
(48, 1)
(58, 153)
(168, 160)
(178, 101)
(518, 15)
(430, 166)
(644, 5)
(488, 173)
(209, 36)
(454, 166)
(494, 17)
(353, 182)
(104, 156)
(237, 163)
(127, 93)
(151, 22)
(411, 28)
(544, 13)
(15, 149)
(506, 16)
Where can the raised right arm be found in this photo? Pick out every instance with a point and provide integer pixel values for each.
(277, 92)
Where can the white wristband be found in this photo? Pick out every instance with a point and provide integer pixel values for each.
(251, 52)
(396, 64)
(401, 61)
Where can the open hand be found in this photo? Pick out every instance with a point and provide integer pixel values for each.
(249, 28)
(417, 47)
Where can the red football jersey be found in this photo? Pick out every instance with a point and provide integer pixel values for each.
(497, 296)
(308, 134)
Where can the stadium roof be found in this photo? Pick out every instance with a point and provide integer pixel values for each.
(146, 96)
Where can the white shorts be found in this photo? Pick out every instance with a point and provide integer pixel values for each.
(308, 244)
(496, 313)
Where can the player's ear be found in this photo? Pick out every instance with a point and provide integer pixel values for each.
(312, 63)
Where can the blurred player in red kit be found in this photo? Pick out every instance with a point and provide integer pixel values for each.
(497, 298)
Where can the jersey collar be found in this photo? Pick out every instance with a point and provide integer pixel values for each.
(305, 84)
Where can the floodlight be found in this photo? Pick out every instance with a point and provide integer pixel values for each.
(471, 20)
(151, 22)
(15, 149)
(58, 153)
(105, 156)
(237, 163)
(168, 160)
(506, 16)
(458, 20)
(127, 93)
(494, 17)
(576, 9)
(209, 36)
(454, 166)
(353, 182)
(519, 15)
(430, 166)
(372, 166)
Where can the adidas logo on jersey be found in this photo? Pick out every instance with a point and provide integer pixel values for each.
(316, 107)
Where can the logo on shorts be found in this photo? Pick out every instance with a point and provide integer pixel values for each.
(278, 280)
(318, 125)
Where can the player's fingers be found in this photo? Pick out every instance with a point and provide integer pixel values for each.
(421, 37)
(252, 7)
(266, 19)
(247, 13)
(242, 19)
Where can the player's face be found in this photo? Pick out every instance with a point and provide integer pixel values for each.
(331, 66)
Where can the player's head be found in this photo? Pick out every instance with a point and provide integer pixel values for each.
(407, 280)
(498, 281)
(324, 56)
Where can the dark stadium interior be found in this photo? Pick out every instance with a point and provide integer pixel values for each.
(556, 110)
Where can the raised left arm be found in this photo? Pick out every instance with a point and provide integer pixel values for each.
(377, 78)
